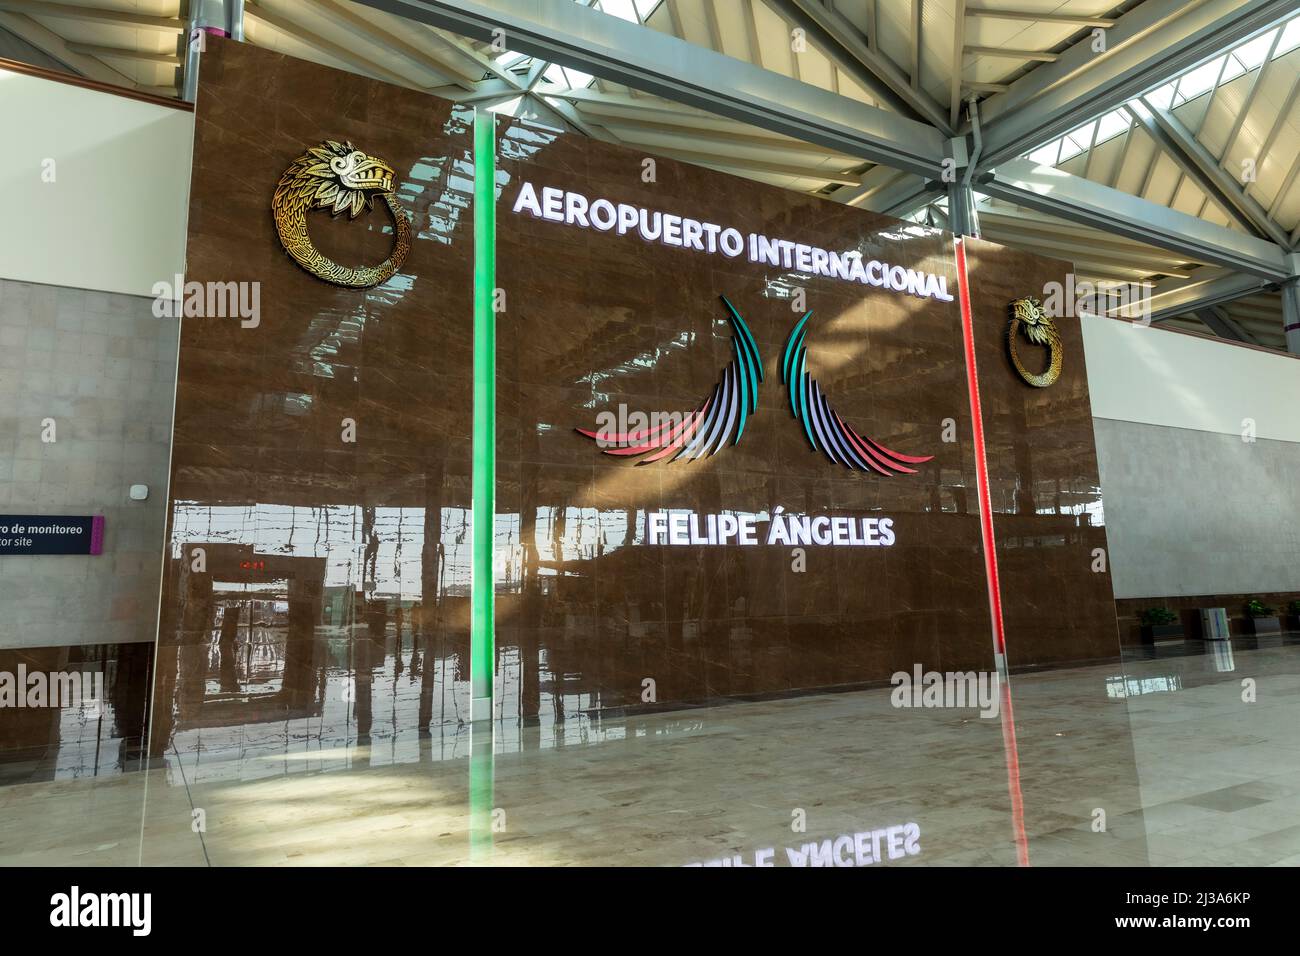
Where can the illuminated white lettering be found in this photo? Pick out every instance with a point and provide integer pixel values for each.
(677, 529)
(803, 257)
(691, 232)
(821, 262)
(786, 247)
(886, 531)
(733, 244)
(575, 209)
(766, 251)
(839, 265)
(627, 218)
(552, 204)
(648, 232)
(711, 234)
(527, 199)
(915, 282)
(603, 215)
(672, 229)
(821, 529)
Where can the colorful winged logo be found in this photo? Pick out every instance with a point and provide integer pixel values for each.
(705, 430)
(825, 430)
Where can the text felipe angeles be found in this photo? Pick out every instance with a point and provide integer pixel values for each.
(792, 530)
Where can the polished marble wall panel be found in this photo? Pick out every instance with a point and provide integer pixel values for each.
(586, 609)
(1044, 488)
(325, 561)
(325, 557)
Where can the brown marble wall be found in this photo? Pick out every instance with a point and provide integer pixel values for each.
(1044, 487)
(335, 575)
(327, 561)
(594, 319)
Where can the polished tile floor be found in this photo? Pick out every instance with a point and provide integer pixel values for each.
(1190, 758)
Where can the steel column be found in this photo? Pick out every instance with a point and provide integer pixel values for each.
(1291, 315)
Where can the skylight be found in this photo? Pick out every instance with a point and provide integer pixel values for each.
(1198, 81)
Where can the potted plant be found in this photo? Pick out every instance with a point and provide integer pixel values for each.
(1293, 615)
(1160, 624)
(1262, 618)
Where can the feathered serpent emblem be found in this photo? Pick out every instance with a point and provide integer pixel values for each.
(340, 178)
(1029, 318)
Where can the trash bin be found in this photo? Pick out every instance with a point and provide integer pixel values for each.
(1214, 623)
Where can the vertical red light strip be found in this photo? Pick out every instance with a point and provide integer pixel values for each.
(981, 463)
(991, 560)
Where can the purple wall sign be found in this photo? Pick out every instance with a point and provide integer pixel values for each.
(51, 534)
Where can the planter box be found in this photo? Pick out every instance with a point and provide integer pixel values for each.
(1162, 633)
(1264, 625)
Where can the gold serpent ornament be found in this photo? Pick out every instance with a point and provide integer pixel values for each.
(341, 178)
(1027, 316)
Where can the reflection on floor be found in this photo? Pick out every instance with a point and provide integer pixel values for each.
(1185, 770)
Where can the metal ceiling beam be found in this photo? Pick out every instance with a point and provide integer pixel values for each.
(915, 46)
(958, 62)
(717, 139)
(283, 24)
(1198, 163)
(1249, 101)
(888, 191)
(1040, 56)
(14, 47)
(584, 38)
(608, 98)
(1223, 325)
(345, 14)
(1154, 42)
(53, 45)
(1087, 240)
(574, 118)
(1205, 287)
(746, 165)
(127, 53)
(1061, 18)
(835, 36)
(68, 11)
(1052, 191)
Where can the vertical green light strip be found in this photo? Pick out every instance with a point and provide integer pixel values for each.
(482, 626)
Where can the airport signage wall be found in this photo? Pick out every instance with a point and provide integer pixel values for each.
(742, 440)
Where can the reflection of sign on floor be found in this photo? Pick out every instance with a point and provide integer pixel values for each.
(848, 849)
(51, 534)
